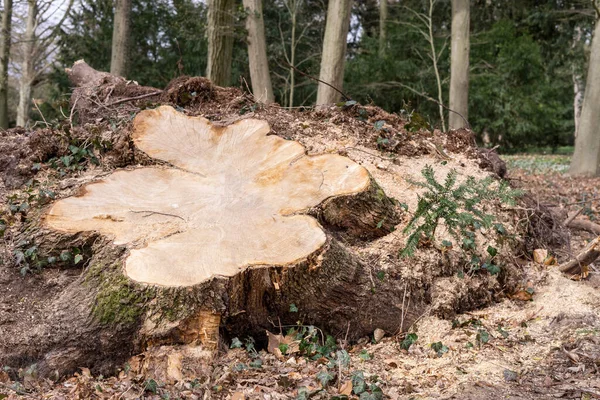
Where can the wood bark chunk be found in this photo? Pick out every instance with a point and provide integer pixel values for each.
(232, 201)
(584, 258)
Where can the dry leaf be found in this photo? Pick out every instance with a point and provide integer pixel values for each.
(346, 388)
(378, 334)
(295, 376)
(273, 347)
(522, 295)
(238, 396)
(539, 255)
(550, 260)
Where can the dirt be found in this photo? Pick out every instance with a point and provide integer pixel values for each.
(547, 347)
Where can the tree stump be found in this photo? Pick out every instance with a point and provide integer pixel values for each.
(227, 230)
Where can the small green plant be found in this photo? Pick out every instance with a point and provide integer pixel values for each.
(458, 206)
(32, 195)
(79, 158)
(409, 340)
(439, 348)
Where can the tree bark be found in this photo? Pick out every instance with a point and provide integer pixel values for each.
(578, 87)
(257, 53)
(383, 15)
(220, 41)
(119, 59)
(4, 57)
(28, 68)
(334, 51)
(586, 159)
(459, 71)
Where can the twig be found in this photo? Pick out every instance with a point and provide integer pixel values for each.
(40, 112)
(71, 113)
(141, 96)
(318, 80)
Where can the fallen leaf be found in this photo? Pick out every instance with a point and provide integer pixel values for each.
(539, 255)
(390, 362)
(238, 396)
(295, 376)
(346, 388)
(522, 295)
(292, 345)
(378, 334)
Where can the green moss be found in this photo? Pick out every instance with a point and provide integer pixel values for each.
(122, 301)
(119, 300)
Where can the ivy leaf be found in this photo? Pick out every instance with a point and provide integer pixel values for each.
(235, 343)
(293, 308)
(364, 355)
(78, 258)
(439, 348)
(409, 340)
(151, 386)
(492, 251)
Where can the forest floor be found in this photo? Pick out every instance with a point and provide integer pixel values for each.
(540, 343)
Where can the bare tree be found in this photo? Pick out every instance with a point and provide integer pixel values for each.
(220, 41)
(586, 159)
(459, 68)
(257, 52)
(27, 72)
(334, 51)
(4, 56)
(425, 29)
(290, 45)
(119, 59)
(383, 16)
(37, 47)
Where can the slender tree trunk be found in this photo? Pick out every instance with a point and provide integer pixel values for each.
(4, 56)
(578, 88)
(383, 15)
(220, 41)
(293, 56)
(577, 99)
(434, 60)
(459, 70)
(257, 52)
(119, 59)
(334, 50)
(586, 160)
(28, 68)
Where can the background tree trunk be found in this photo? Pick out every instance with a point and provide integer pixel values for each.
(459, 71)
(257, 53)
(120, 41)
(586, 159)
(334, 50)
(28, 71)
(4, 56)
(383, 15)
(220, 41)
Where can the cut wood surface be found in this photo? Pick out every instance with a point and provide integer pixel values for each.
(233, 201)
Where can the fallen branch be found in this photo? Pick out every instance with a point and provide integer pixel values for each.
(584, 225)
(586, 257)
(572, 217)
(142, 96)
